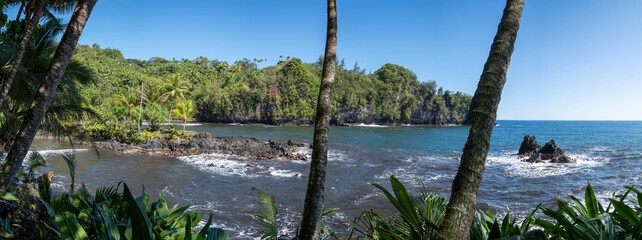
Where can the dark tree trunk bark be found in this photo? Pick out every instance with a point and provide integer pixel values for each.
(482, 115)
(22, 6)
(45, 92)
(313, 206)
(17, 57)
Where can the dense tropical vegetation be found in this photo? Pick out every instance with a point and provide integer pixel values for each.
(420, 217)
(280, 94)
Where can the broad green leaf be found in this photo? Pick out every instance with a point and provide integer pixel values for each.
(69, 228)
(141, 227)
(8, 196)
(626, 212)
(216, 234)
(591, 202)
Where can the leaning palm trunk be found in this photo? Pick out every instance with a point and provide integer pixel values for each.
(17, 58)
(313, 206)
(169, 116)
(140, 109)
(482, 115)
(45, 93)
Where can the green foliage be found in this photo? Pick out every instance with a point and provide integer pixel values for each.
(590, 220)
(266, 214)
(420, 217)
(184, 110)
(171, 132)
(154, 114)
(71, 163)
(8, 196)
(109, 214)
(287, 91)
(112, 131)
(68, 104)
(34, 160)
(7, 230)
(486, 226)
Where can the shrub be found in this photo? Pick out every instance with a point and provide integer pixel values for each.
(419, 217)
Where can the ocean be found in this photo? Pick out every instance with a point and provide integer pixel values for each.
(608, 154)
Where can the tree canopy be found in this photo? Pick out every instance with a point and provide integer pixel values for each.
(280, 94)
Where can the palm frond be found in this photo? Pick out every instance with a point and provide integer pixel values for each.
(35, 160)
(266, 212)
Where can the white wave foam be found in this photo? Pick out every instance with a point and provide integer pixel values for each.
(219, 164)
(283, 173)
(515, 167)
(440, 176)
(229, 165)
(370, 125)
(364, 199)
(333, 155)
(47, 153)
(602, 149)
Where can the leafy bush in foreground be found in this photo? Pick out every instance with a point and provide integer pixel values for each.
(110, 214)
(419, 217)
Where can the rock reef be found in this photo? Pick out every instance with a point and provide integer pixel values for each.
(202, 143)
(534, 153)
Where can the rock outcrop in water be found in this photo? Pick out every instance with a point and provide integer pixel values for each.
(529, 147)
(535, 153)
(201, 143)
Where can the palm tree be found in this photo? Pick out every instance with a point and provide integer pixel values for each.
(175, 89)
(67, 104)
(17, 58)
(184, 110)
(126, 100)
(313, 206)
(154, 91)
(482, 115)
(45, 93)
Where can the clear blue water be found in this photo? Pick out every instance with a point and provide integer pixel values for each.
(609, 155)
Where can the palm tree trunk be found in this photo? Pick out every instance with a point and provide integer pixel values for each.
(313, 205)
(140, 109)
(22, 6)
(46, 91)
(184, 122)
(483, 112)
(169, 116)
(17, 58)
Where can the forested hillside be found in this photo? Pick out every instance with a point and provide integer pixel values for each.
(282, 94)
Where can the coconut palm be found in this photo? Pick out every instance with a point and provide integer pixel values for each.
(7, 80)
(175, 88)
(313, 206)
(154, 92)
(34, 10)
(67, 105)
(125, 101)
(184, 110)
(45, 93)
(481, 116)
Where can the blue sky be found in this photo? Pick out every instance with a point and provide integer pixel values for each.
(573, 60)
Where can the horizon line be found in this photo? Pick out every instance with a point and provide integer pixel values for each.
(571, 120)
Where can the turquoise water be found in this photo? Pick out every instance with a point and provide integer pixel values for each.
(609, 155)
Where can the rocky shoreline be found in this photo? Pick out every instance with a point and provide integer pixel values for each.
(311, 123)
(203, 143)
